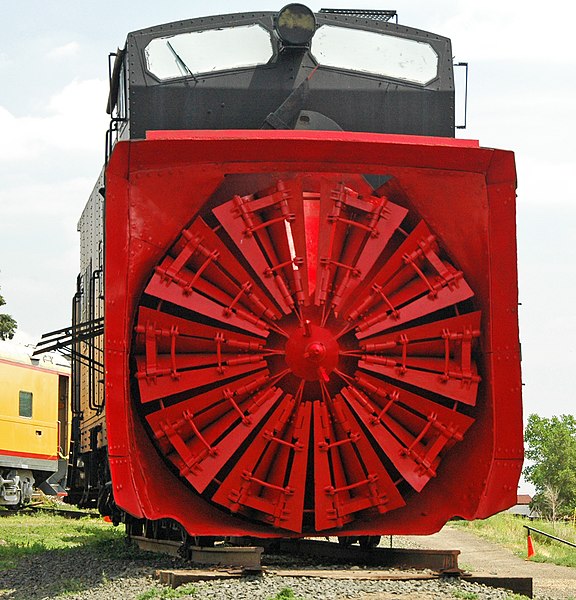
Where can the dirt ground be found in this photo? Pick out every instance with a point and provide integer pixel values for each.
(485, 558)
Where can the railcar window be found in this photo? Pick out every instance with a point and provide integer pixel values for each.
(208, 51)
(25, 404)
(376, 53)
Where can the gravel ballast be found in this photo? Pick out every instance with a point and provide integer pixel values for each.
(81, 576)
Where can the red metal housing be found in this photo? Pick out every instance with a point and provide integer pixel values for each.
(292, 351)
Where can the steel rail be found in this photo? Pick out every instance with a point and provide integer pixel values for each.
(66, 513)
(553, 537)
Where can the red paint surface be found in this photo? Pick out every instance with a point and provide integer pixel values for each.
(20, 454)
(455, 202)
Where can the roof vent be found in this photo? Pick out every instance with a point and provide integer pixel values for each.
(377, 15)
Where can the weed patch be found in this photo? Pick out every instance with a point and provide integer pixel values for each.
(508, 531)
(284, 594)
(168, 592)
(465, 595)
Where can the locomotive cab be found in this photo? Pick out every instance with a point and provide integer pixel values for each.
(236, 72)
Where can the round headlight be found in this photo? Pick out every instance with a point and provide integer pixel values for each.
(296, 25)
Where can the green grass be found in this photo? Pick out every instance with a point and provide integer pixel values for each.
(168, 592)
(508, 531)
(71, 586)
(465, 595)
(37, 537)
(284, 594)
(26, 535)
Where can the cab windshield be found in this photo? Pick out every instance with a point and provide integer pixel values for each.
(208, 51)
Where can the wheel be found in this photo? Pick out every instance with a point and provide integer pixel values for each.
(346, 541)
(369, 541)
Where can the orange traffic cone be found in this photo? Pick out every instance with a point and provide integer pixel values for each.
(531, 552)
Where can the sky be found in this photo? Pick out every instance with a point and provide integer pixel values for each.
(522, 97)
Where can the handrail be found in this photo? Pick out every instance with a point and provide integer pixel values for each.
(465, 65)
(548, 535)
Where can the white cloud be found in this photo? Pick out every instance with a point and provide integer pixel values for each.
(13, 145)
(545, 182)
(65, 51)
(39, 250)
(24, 338)
(510, 31)
(49, 162)
(75, 120)
(44, 199)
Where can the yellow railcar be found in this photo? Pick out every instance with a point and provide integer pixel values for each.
(34, 423)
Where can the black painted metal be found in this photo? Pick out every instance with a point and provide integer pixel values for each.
(243, 98)
(465, 65)
(435, 560)
(66, 339)
(518, 585)
(378, 15)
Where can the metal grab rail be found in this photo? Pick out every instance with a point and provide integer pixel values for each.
(548, 535)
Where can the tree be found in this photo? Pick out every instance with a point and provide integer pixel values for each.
(7, 323)
(551, 449)
(551, 502)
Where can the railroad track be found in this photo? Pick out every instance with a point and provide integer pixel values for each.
(62, 512)
(246, 552)
(231, 562)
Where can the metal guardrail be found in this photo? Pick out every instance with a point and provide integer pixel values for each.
(548, 535)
